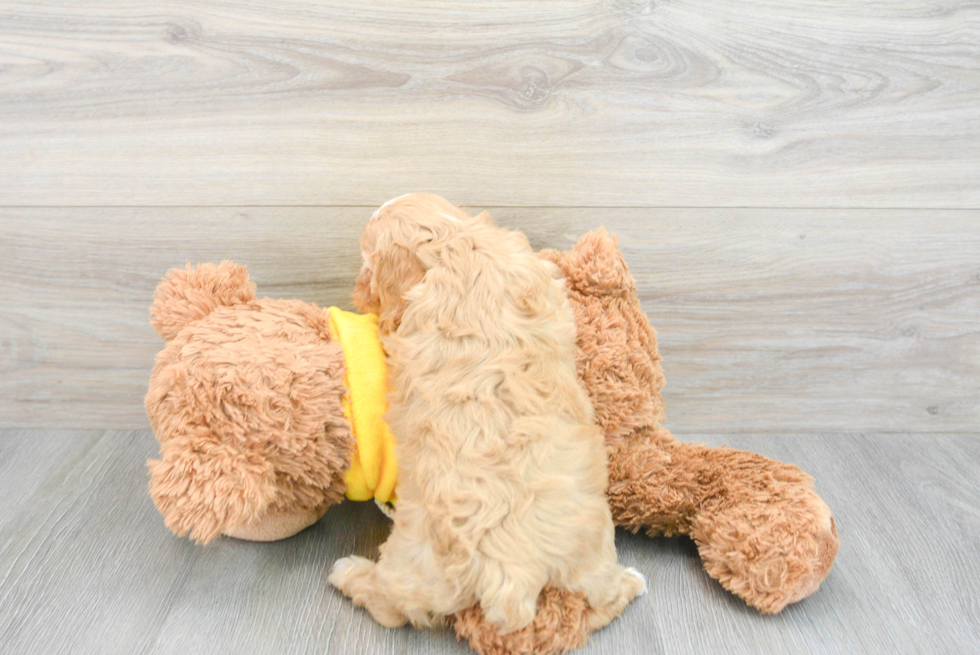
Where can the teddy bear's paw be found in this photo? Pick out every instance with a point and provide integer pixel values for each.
(770, 554)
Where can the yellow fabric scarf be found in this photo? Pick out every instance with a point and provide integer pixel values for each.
(373, 468)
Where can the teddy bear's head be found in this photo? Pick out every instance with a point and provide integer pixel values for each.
(246, 401)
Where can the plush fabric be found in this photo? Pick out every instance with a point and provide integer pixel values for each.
(373, 468)
(761, 530)
(246, 402)
(560, 625)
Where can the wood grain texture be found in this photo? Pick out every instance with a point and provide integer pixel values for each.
(769, 320)
(27, 458)
(588, 103)
(86, 566)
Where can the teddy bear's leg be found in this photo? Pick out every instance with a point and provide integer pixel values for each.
(761, 530)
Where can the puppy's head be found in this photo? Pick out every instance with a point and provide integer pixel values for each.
(404, 238)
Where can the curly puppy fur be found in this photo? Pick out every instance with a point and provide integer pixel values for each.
(502, 471)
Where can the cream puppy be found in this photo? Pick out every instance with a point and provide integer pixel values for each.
(502, 473)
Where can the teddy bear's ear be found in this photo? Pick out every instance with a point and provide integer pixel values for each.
(595, 266)
(618, 359)
(189, 294)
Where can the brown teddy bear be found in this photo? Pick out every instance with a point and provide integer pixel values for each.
(268, 412)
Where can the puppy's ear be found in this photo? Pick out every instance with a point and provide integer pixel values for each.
(396, 270)
(365, 299)
(484, 217)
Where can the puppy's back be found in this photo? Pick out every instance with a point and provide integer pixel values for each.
(489, 403)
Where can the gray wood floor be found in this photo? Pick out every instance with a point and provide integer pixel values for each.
(86, 565)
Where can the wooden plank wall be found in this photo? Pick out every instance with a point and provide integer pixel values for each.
(796, 185)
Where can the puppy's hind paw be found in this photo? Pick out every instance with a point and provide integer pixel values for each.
(340, 569)
(643, 581)
(347, 570)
